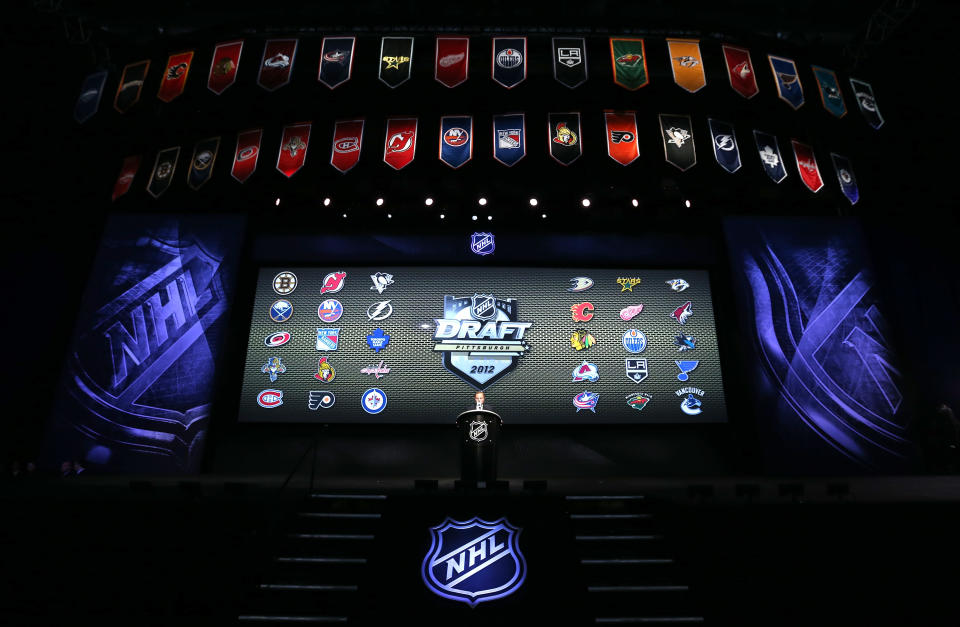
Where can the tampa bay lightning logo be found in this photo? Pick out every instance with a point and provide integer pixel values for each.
(474, 561)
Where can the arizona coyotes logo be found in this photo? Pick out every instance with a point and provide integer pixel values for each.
(742, 69)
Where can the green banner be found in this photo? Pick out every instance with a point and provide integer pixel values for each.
(629, 60)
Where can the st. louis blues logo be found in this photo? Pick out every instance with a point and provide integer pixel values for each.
(474, 561)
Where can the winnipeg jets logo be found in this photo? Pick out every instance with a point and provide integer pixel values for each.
(677, 136)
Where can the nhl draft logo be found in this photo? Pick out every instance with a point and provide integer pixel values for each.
(482, 243)
(478, 431)
(480, 338)
(474, 560)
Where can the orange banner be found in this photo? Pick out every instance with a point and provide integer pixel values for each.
(687, 63)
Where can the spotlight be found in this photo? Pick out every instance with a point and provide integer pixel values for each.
(482, 202)
(687, 203)
(424, 325)
(533, 202)
(585, 202)
(473, 217)
(489, 217)
(277, 203)
(344, 215)
(442, 216)
(543, 215)
(635, 202)
(326, 202)
(428, 201)
(379, 202)
(389, 215)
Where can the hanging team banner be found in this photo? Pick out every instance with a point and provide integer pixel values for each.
(563, 135)
(509, 138)
(807, 166)
(347, 142)
(163, 169)
(770, 156)
(848, 182)
(830, 94)
(293, 148)
(174, 79)
(396, 59)
(678, 147)
(276, 65)
(400, 144)
(629, 58)
(452, 60)
(456, 139)
(246, 155)
(743, 78)
(569, 60)
(125, 179)
(224, 66)
(788, 81)
(201, 164)
(336, 60)
(725, 147)
(621, 129)
(131, 84)
(88, 102)
(509, 63)
(687, 64)
(863, 92)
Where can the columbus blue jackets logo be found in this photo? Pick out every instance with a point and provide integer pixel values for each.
(474, 561)
(480, 338)
(586, 400)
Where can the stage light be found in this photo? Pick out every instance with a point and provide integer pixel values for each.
(442, 216)
(686, 203)
(277, 203)
(489, 217)
(533, 202)
(326, 202)
(473, 217)
(428, 201)
(389, 215)
(424, 325)
(635, 202)
(585, 202)
(543, 215)
(379, 202)
(482, 202)
(344, 215)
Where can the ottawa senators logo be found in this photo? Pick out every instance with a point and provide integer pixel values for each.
(564, 135)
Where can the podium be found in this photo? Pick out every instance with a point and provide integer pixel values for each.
(479, 432)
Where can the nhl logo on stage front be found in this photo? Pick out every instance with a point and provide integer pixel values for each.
(474, 561)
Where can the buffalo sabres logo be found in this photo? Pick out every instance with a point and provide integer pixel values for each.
(474, 560)
(480, 338)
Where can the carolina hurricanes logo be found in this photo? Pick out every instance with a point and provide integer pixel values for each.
(126, 178)
(456, 137)
(247, 153)
(742, 69)
(400, 142)
(347, 144)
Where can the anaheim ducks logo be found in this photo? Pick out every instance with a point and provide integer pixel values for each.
(564, 135)
(224, 67)
(294, 145)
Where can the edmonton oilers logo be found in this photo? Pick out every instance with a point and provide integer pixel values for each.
(509, 58)
(474, 561)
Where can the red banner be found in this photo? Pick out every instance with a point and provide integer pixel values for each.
(224, 65)
(740, 70)
(807, 166)
(622, 143)
(277, 63)
(347, 142)
(175, 76)
(452, 60)
(293, 148)
(400, 145)
(125, 179)
(246, 155)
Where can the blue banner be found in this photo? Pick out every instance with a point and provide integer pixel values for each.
(770, 156)
(509, 60)
(509, 138)
(848, 182)
(830, 91)
(725, 147)
(788, 80)
(456, 139)
(89, 100)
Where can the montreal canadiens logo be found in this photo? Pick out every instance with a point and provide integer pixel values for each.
(277, 339)
(347, 144)
(270, 398)
(456, 137)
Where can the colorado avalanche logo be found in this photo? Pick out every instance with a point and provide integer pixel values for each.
(474, 561)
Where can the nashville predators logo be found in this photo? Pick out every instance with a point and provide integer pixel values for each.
(224, 66)
(393, 63)
(564, 135)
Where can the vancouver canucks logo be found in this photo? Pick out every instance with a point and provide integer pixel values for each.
(480, 338)
(474, 561)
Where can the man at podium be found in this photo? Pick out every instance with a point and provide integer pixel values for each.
(479, 430)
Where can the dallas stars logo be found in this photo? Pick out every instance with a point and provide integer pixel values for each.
(393, 63)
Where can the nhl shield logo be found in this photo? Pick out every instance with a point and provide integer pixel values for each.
(483, 306)
(474, 561)
(482, 243)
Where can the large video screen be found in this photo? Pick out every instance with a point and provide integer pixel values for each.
(545, 345)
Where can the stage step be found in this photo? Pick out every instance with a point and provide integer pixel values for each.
(626, 562)
(320, 562)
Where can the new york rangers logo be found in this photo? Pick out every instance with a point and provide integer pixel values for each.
(474, 561)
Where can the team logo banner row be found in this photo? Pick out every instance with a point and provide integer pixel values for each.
(456, 140)
(508, 67)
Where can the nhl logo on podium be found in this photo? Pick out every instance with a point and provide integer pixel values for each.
(478, 431)
(474, 561)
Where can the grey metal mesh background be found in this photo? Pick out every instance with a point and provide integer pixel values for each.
(538, 390)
